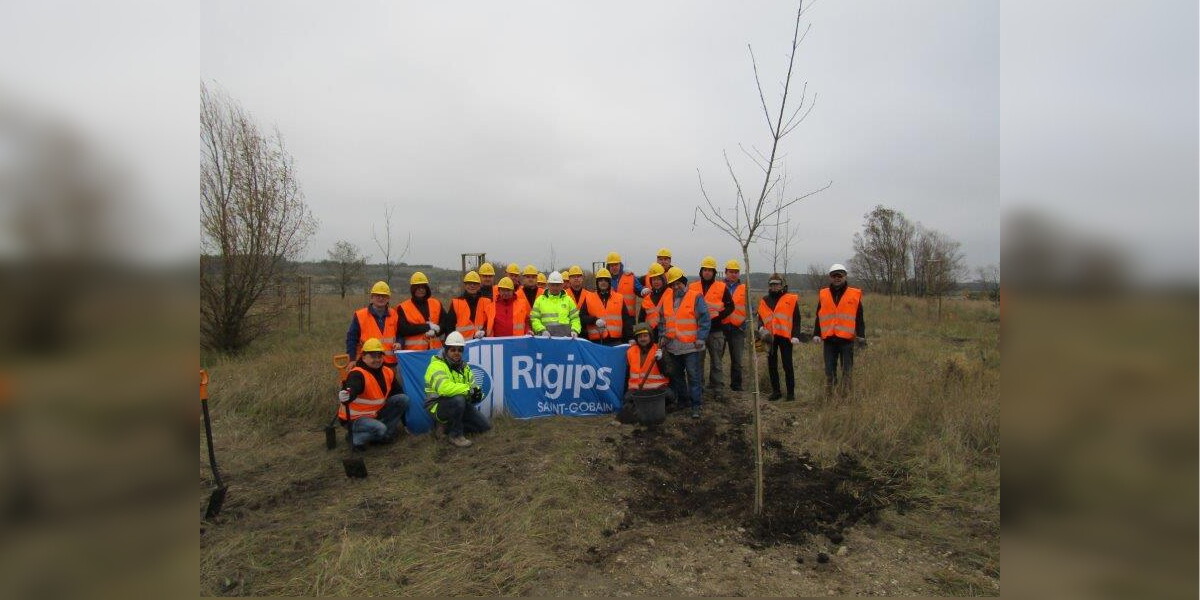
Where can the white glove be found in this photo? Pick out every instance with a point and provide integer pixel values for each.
(430, 333)
(574, 335)
(762, 332)
(545, 333)
(343, 396)
(658, 354)
(816, 338)
(600, 324)
(435, 328)
(795, 341)
(645, 292)
(631, 342)
(479, 334)
(700, 344)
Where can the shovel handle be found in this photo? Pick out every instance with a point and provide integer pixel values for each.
(203, 384)
(340, 362)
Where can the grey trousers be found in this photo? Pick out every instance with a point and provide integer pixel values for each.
(714, 348)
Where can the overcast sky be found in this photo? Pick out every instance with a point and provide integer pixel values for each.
(516, 126)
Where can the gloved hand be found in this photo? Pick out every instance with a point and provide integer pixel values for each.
(435, 328)
(600, 324)
(699, 345)
(574, 335)
(762, 332)
(645, 292)
(430, 333)
(475, 396)
(795, 341)
(816, 338)
(545, 333)
(343, 396)
(861, 342)
(479, 334)
(631, 342)
(658, 354)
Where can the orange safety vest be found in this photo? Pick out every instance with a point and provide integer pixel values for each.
(626, 288)
(682, 325)
(413, 315)
(368, 403)
(611, 313)
(838, 320)
(520, 316)
(368, 328)
(714, 297)
(638, 368)
(653, 312)
(738, 316)
(581, 298)
(462, 311)
(779, 322)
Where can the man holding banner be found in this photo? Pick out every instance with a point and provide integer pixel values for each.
(451, 395)
(554, 312)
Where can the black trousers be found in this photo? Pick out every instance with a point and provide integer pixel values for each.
(838, 349)
(782, 348)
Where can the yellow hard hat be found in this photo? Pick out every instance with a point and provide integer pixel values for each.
(564, 274)
(655, 270)
(513, 268)
(733, 265)
(372, 345)
(471, 277)
(418, 278)
(674, 274)
(664, 252)
(708, 263)
(541, 278)
(612, 258)
(505, 284)
(574, 270)
(603, 273)
(487, 269)
(381, 287)
(530, 270)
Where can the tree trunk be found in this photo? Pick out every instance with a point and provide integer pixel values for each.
(751, 310)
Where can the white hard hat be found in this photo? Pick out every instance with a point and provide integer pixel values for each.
(555, 277)
(837, 267)
(455, 339)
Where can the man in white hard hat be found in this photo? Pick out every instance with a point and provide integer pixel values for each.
(554, 312)
(839, 324)
(451, 395)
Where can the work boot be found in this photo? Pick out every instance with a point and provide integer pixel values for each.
(774, 396)
(460, 441)
(696, 413)
(791, 396)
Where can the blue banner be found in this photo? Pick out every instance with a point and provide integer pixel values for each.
(528, 377)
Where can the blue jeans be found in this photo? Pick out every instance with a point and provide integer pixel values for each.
(384, 426)
(685, 365)
(460, 416)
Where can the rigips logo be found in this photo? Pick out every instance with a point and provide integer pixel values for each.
(530, 372)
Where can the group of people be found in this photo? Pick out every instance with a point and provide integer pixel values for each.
(672, 326)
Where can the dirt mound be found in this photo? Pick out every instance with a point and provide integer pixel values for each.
(705, 468)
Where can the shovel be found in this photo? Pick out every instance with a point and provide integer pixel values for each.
(216, 499)
(340, 361)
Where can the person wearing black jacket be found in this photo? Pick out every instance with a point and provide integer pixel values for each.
(839, 341)
(372, 410)
(779, 325)
(421, 316)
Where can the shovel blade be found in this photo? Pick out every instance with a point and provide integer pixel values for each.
(215, 501)
(355, 468)
(330, 437)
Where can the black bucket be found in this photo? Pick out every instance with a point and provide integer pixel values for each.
(651, 405)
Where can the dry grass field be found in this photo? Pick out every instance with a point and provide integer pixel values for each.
(894, 490)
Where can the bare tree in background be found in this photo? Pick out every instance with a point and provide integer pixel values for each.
(385, 245)
(253, 221)
(745, 220)
(348, 263)
(882, 251)
(817, 276)
(782, 235)
(989, 278)
(937, 263)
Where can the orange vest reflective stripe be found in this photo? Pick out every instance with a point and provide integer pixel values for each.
(413, 315)
(838, 320)
(626, 288)
(652, 308)
(581, 298)
(638, 367)
(714, 298)
(738, 316)
(462, 312)
(611, 313)
(779, 322)
(368, 328)
(681, 323)
(368, 403)
(520, 315)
